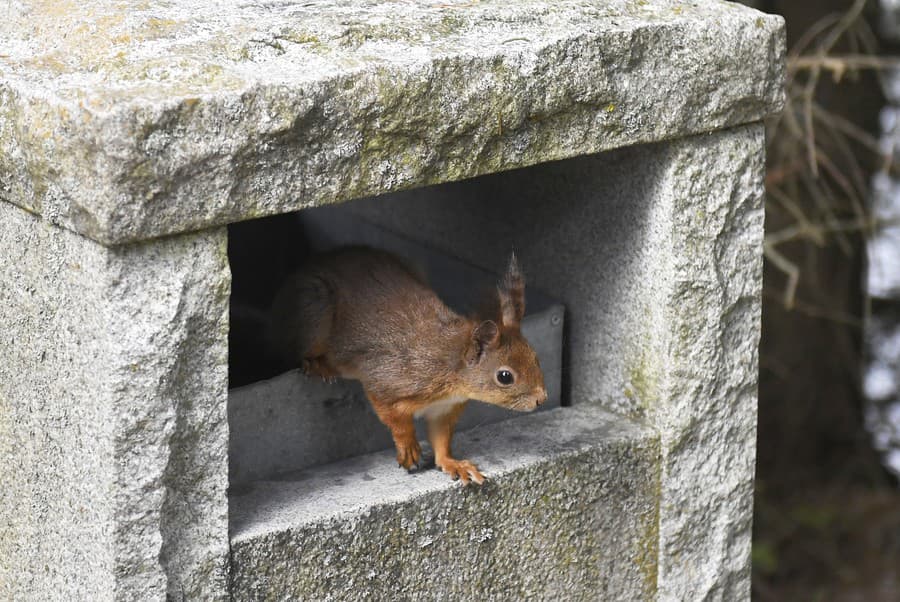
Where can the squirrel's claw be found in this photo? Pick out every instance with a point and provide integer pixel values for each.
(462, 470)
(317, 366)
(409, 454)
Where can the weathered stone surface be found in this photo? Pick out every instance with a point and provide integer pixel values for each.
(569, 512)
(113, 433)
(128, 123)
(656, 252)
(706, 411)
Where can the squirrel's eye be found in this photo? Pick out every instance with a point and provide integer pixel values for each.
(505, 377)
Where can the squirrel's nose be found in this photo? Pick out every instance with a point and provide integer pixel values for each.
(542, 396)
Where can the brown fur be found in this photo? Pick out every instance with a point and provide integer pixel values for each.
(364, 314)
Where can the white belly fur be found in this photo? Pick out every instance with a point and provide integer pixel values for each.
(436, 409)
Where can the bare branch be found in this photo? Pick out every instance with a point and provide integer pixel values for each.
(788, 268)
(840, 64)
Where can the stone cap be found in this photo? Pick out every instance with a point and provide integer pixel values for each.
(165, 117)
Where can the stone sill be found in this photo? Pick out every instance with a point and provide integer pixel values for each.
(586, 471)
(342, 489)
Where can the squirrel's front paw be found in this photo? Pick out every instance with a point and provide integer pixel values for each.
(462, 470)
(408, 453)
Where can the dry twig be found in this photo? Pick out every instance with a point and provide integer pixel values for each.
(819, 162)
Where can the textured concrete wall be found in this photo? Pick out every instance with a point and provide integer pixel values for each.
(113, 378)
(657, 253)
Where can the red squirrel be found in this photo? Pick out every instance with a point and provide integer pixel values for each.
(365, 314)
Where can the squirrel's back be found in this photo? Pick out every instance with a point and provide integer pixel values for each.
(366, 314)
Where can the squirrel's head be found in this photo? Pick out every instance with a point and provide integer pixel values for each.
(500, 366)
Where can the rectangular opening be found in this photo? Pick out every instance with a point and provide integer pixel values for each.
(583, 230)
(283, 421)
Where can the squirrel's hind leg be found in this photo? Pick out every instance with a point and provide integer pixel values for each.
(319, 366)
(301, 323)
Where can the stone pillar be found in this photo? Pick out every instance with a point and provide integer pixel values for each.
(113, 385)
(706, 393)
(616, 145)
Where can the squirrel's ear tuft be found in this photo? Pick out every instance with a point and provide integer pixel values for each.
(511, 293)
(485, 336)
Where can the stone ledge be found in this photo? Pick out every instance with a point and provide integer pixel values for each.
(125, 126)
(571, 508)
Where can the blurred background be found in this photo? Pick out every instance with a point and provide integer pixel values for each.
(827, 515)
